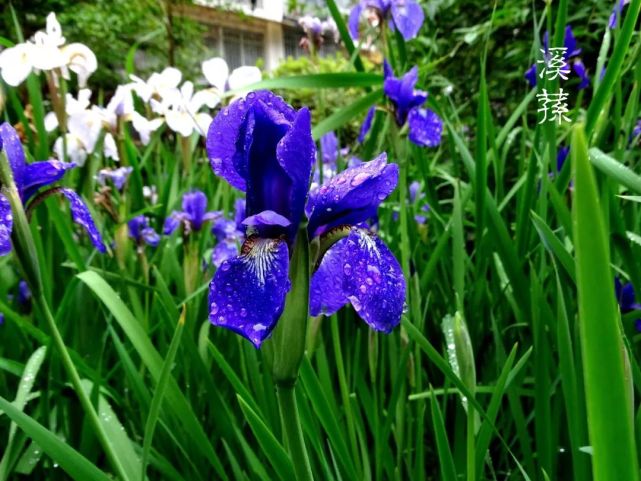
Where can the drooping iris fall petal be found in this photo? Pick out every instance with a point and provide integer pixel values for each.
(352, 196)
(362, 270)
(81, 216)
(247, 293)
(6, 225)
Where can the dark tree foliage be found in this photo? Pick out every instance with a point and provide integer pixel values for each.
(111, 28)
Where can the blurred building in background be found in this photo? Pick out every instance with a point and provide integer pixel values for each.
(251, 32)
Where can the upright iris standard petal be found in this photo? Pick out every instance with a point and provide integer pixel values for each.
(296, 153)
(367, 124)
(226, 136)
(326, 295)
(193, 215)
(10, 143)
(329, 148)
(195, 205)
(580, 70)
(373, 281)
(530, 76)
(352, 196)
(354, 19)
(569, 42)
(39, 174)
(408, 17)
(6, 225)
(425, 127)
(626, 296)
(402, 93)
(262, 145)
(81, 216)
(561, 157)
(247, 294)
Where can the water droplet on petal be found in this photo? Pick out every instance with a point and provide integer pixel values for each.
(359, 179)
(355, 303)
(347, 269)
(213, 308)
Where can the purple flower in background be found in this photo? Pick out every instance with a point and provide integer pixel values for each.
(1, 318)
(425, 127)
(581, 72)
(627, 299)
(24, 293)
(405, 15)
(530, 75)
(264, 147)
(636, 131)
(118, 176)
(616, 13)
(329, 148)
(561, 157)
(415, 191)
(229, 235)
(142, 233)
(29, 178)
(193, 215)
(571, 52)
(367, 124)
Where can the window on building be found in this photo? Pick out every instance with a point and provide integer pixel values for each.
(237, 47)
(291, 40)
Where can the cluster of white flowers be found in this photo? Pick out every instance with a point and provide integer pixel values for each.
(167, 100)
(47, 52)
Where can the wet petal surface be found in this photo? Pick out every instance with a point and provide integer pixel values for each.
(81, 216)
(247, 294)
(6, 224)
(352, 196)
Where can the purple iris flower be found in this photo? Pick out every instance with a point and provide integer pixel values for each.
(405, 15)
(571, 52)
(229, 235)
(118, 176)
(616, 13)
(627, 299)
(636, 131)
(29, 178)
(193, 215)
(264, 147)
(561, 157)
(24, 293)
(329, 148)
(142, 233)
(425, 127)
(367, 124)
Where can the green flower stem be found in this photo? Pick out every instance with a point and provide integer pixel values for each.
(293, 432)
(344, 388)
(25, 253)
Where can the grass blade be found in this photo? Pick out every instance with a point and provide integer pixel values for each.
(609, 406)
